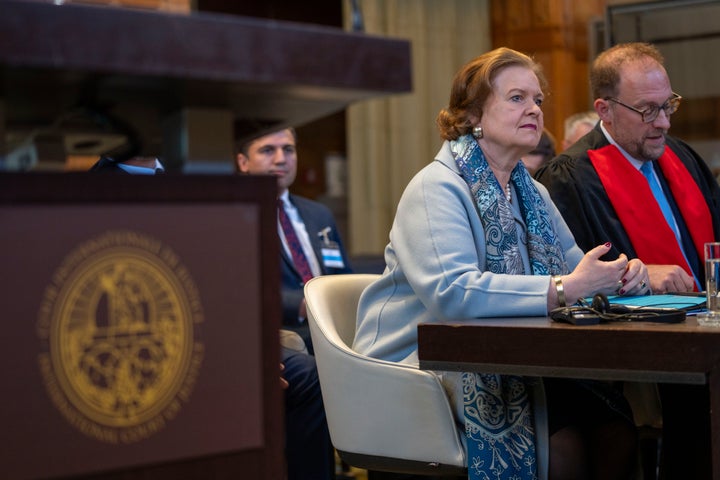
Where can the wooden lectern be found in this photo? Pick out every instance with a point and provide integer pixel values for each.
(140, 319)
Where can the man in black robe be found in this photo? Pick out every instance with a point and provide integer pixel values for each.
(603, 186)
(598, 186)
(581, 197)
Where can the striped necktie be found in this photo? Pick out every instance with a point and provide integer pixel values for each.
(296, 250)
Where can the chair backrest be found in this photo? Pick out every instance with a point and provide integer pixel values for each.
(381, 415)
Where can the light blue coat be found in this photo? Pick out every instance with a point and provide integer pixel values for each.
(436, 266)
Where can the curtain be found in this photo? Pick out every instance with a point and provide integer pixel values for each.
(391, 138)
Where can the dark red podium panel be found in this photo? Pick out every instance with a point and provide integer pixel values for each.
(140, 319)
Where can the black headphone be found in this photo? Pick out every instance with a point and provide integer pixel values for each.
(600, 309)
(601, 304)
(605, 310)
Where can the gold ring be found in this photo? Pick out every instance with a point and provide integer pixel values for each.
(642, 284)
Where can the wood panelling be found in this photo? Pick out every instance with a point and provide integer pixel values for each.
(555, 33)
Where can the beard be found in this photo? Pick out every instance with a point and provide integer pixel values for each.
(648, 151)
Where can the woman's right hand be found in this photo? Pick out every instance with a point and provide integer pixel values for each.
(593, 275)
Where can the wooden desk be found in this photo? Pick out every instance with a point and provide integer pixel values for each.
(679, 353)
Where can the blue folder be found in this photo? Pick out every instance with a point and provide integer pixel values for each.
(691, 303)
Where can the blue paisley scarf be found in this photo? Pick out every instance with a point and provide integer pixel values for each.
(498, 414)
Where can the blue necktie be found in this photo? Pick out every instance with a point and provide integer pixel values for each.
(659, 195)
(647, 170)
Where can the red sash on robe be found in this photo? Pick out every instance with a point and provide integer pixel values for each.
(636, 207)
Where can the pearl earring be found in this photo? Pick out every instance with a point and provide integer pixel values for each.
(477, 132)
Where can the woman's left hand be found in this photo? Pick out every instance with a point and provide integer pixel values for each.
(636, 280)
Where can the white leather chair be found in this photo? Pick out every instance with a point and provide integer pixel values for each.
(382, 415)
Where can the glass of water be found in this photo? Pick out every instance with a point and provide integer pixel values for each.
(712, 278)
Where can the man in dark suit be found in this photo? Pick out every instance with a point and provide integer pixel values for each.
(312, 222)
(311, 246)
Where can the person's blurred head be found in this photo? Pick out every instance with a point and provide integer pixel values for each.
(633, 98)
(271, 154)
(577, 125)
(543, 153)
(501, 92)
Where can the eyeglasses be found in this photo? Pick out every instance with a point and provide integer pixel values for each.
(651, 112)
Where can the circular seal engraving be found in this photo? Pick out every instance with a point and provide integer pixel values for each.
(118, 326)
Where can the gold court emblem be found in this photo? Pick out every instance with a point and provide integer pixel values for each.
(118, 326)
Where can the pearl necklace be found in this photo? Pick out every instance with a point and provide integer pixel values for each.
(508, 193)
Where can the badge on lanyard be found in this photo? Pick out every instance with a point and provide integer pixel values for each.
(331, 256)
